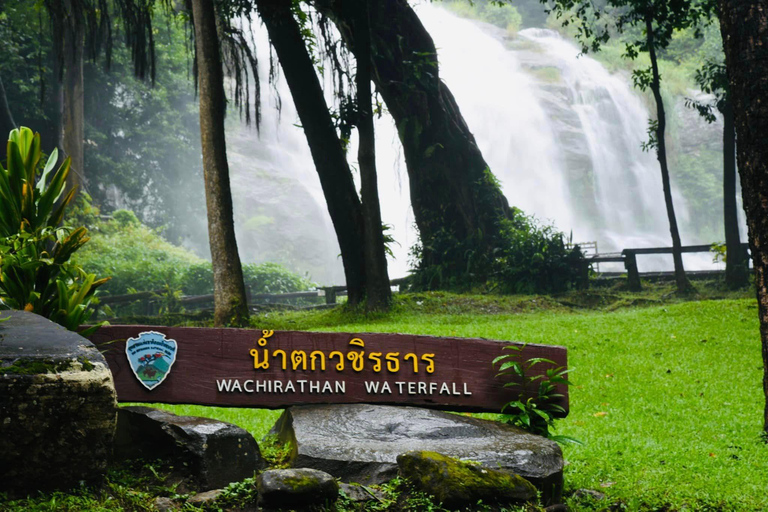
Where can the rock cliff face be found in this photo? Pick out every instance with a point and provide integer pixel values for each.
(57, 406)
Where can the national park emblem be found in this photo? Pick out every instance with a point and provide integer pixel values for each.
(151, 357)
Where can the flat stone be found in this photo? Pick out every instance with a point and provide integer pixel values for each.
(163, 504)
(458, 484)
(205, 498)
(360, 443)
(57, 406)
(360, 494)
(214, 452)
(287, 488)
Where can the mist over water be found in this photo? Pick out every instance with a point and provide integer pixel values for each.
(562, 134)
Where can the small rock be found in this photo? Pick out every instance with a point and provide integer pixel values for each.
(556, 508)
(358, 493)
(284, 488)
(214, 452)
(457, 484)
(163, 504)
(591, 493)
(205, 498)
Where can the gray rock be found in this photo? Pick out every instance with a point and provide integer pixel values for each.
(57, 406)
(214, 452)
(360, 443)
(358, 493)
(163, 504)
(589, 493)
(205, 498)
(286, 488)
(458, 484)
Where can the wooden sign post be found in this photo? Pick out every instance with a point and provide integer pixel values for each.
(265, 369)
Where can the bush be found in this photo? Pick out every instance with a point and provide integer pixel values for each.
(259, 278)
(35, 270)
(528, 258)
(137, 257)
(140, 259)
(535, 258)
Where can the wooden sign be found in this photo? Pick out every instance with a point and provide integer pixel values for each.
(265, 369)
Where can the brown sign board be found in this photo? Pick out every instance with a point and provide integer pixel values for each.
(226, 368)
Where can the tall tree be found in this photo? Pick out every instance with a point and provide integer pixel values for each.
(6, 118)
(713, 79)
(656, 21)
(744, 26)
(230, 302)
(327, 152)
(458, 206)
(379, 293)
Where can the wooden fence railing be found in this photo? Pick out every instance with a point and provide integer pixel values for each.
(330, 293)
(629, 258)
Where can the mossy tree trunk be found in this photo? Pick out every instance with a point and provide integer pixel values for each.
(230, 301)
(327, 152)
(73, 105)
(6, 117)
(736, 271)
(458, 205)
(744, 26)
(379, 293)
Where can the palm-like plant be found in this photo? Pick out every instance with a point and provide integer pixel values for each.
(35, 273)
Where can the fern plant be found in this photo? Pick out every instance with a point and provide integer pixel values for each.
(534, 408)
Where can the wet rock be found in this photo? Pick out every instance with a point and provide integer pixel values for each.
(57, 406)
(589, 493)
(205, 498)
(358, 493)
(457, 484)
(214, 452)
(287, 488)
(163, 504)
(360, 443)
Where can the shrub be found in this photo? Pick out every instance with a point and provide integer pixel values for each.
(35, 270)
(137, 257)
(259, 278)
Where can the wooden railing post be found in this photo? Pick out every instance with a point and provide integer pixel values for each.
(330, 295)
(633, 276)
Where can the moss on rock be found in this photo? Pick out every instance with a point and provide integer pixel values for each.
(457, 484)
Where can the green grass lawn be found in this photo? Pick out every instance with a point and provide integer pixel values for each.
(667, 399)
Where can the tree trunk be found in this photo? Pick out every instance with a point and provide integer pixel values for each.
(231, 307)
(736, 272)
(661, 152)
(379, 292)
(744, 26)
(457, 204)
(327, 152)
(73, 111)
(7, 124)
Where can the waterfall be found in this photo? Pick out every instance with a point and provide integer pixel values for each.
(562, 134)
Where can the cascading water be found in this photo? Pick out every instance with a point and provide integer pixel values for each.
(561, 133)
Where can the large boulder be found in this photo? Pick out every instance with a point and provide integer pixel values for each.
(458, 484)
(360, 443)
(213, 452)
(57, 406)
(289, 488)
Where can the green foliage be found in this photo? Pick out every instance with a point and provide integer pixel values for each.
(535, 258)
(136, 256)
(35, 269)
(267, 277)
(533, 408)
